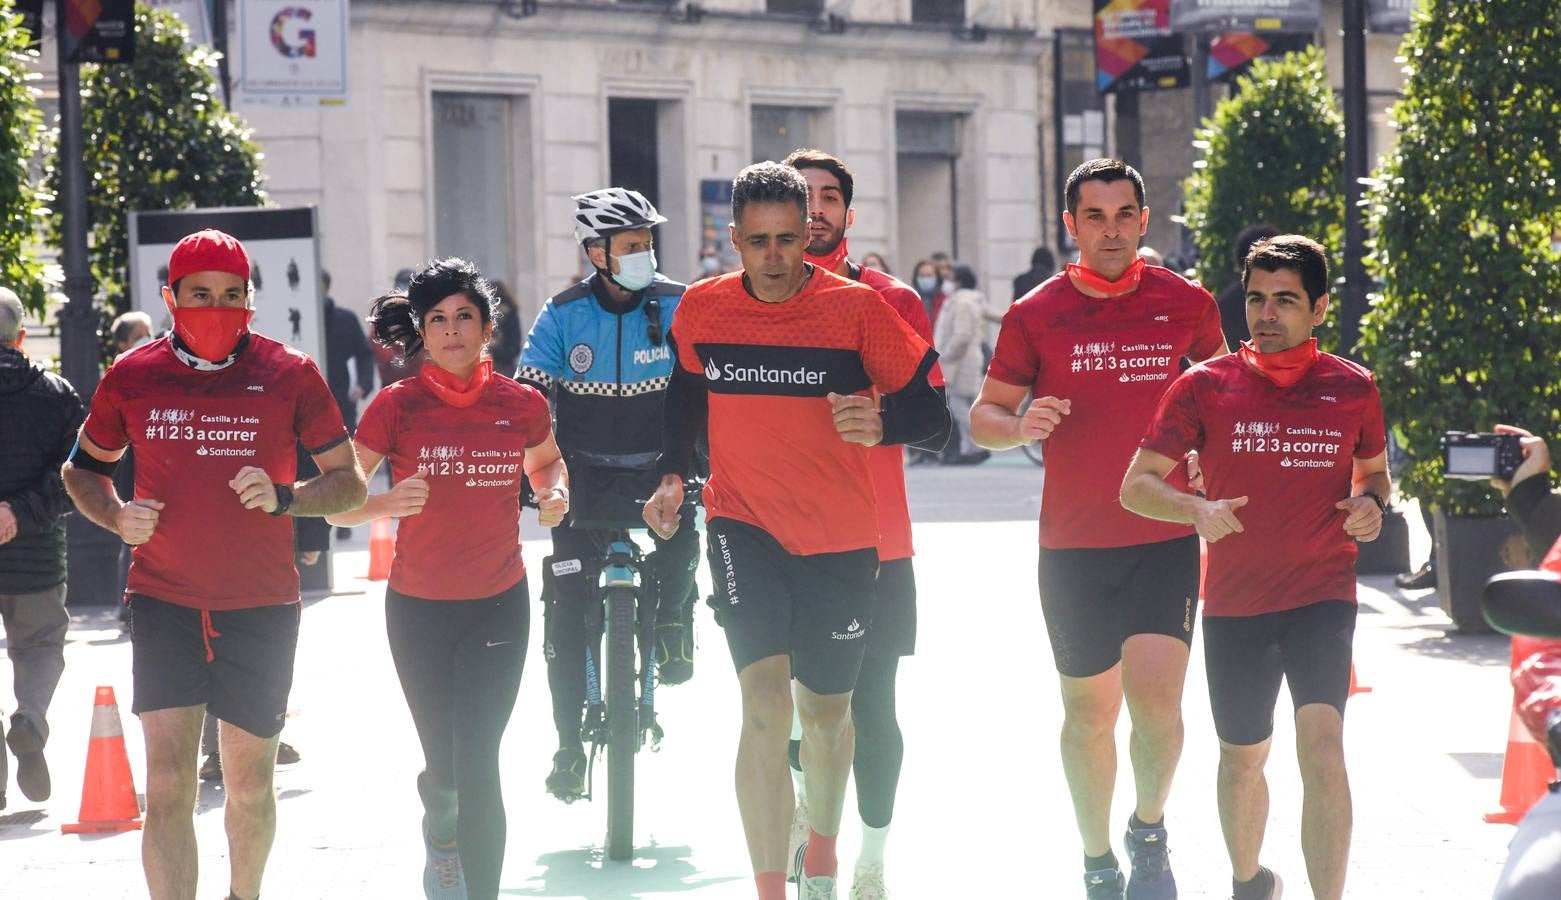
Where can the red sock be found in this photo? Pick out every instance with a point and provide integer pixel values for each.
(772, 885)
(820, 856)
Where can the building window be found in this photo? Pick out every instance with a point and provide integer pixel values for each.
(794, 7)
(472, 187)
(778, 130)
(938, 12)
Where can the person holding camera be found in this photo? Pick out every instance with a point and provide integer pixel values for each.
(1294, 458)
(1533, 868)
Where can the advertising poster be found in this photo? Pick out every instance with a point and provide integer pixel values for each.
(1135, 49)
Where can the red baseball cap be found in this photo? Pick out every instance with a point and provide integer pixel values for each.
(208, 251)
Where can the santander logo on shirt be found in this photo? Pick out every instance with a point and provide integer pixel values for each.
(1295, 446)
(762, 374)
(480, 468)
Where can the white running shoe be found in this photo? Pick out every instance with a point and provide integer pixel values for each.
(799, 834)
(867, 883)
(819, 887)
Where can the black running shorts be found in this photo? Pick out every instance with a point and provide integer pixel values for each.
(1246, 656)
(1095, 599)
(894, 610)
(817, 609)
(243, 679)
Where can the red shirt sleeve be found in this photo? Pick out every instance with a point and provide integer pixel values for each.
(1210, 336)
(316, 418)
(891, 352)
(908, 305)
(105, 423)
(1014, 359)
(539, 419)
(1176, 427)
(377, 424)
(1373, 437)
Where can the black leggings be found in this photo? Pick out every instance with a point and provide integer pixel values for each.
(459, 664)
(880, 748)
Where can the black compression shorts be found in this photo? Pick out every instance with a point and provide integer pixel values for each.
(894, 610)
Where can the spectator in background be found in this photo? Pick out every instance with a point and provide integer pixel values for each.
(1232, 299)
(345, 340)
(1043, 265)
(929, 287)
(504, 348)
(129, 331)
(39, 415)
(957, 336)
(709, 263)
(876, 261)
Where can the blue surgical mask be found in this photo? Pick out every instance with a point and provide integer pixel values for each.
(926, 283)
(636, 270)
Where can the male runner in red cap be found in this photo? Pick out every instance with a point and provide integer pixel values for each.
(1295, 467)
(214, 414)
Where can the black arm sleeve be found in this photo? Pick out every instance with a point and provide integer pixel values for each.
(1537, 510)
(917, 414)
(684, 419)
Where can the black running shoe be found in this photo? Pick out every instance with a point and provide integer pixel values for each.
(567, 780)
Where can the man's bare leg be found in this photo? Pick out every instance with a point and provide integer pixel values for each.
(168, 855)
(1089, 752)
(248, 764)
(764, 796)
(828, 747)
(1154, 668)
(1243, 802)
(1326, 810)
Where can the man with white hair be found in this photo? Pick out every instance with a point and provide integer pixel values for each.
(39, 415)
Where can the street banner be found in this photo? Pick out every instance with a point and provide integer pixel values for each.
(196, 15)
(1205, 16)
(1390, 16)
(1135, 49)
(99, 31)
(293, 53)
(1231, 52)
(284, 257)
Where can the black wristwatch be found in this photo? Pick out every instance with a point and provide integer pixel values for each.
(1382, 505)
(284, 499)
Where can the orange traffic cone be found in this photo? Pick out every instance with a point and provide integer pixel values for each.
(1355, 686)
(108, 793)
(1525, 770)
(382, 549)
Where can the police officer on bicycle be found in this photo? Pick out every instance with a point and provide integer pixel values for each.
(600, 350)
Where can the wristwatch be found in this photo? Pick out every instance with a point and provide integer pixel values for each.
(1382, 505)
(284, 499)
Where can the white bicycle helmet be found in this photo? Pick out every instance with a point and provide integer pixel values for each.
(608, 211)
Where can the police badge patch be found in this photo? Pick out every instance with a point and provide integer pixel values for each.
(580, 357)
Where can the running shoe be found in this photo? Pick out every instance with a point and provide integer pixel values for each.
(567, 780)
(1151, 878)
(211, 769)
(442, 875)
(285, 754)
(675, 650)
(1103, 884)
(32, 772)
(799, 833)
(867, 883)
(1276, 888)
(819, 887)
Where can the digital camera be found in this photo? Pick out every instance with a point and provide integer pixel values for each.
(1480, 456)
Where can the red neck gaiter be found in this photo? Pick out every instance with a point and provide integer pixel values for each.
(1283, 368)
(453, 391)
(831, 262)
(1127, 283)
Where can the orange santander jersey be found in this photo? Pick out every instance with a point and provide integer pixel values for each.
(776, 460)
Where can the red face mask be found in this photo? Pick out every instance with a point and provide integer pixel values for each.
(1283, 368)
(831, 262)
(453, 391)
(1096, 282)
(211, 332)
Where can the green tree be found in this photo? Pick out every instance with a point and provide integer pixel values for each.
(1272, 152)
(21, 128)
(1467, 332)
(156, 136)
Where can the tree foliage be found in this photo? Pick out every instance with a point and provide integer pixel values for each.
(1272, 152)
(156, 136)
(1466, 332)
(21, 129)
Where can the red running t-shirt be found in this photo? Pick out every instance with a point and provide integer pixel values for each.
(192, 431)
(776, 460)
(1289, 451)
(465, 544)
(887, 462)
(1113, 358)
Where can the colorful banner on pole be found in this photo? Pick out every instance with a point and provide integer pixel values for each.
(1390, 16)
(1135, 49)
(1231, 52)
(294, 53)
(99, 31)
(196, 15)
(1203, 16)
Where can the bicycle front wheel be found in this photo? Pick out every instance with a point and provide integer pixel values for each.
(622, 722)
